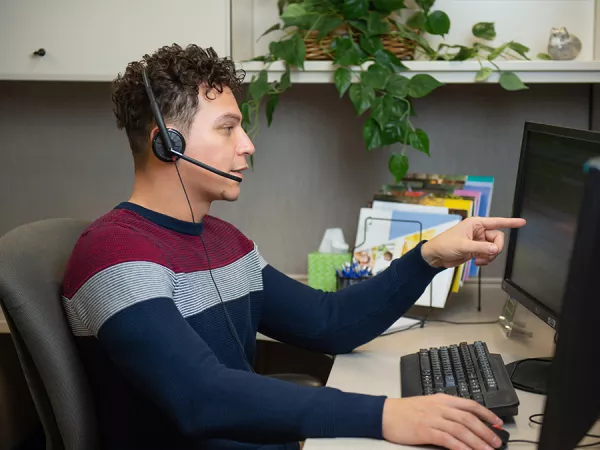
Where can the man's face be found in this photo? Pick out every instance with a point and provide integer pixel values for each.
(216, 138)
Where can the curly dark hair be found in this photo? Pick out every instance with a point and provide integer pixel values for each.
(176, 75)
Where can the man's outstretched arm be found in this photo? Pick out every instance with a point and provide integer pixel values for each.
(338, 322)
(341, 321)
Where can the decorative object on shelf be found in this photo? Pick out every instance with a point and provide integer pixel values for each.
(356, 35)
(562, 45)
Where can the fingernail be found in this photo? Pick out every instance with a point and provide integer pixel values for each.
(499, 421)
(493, 249)
(497, 442)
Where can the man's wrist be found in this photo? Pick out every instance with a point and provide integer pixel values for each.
(430, 256)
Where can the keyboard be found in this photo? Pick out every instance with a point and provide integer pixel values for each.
(463, 370)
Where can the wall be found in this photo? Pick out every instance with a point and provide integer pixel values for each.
(63, 156)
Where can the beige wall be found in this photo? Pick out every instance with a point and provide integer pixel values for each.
(63, 156)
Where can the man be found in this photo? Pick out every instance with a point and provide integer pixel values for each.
(166, 308)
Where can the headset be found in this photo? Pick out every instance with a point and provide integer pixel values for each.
(168, 145)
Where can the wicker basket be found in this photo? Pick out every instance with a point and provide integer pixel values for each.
(404, 49)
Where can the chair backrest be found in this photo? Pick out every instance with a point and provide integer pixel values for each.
(32, 263)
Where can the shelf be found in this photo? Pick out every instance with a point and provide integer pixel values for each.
(450, 72)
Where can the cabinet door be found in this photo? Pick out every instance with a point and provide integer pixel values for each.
(94, 40)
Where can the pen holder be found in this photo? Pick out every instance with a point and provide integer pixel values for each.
(343, 282)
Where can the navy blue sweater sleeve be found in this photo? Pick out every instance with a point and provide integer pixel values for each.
(338, 322)
(157, 350)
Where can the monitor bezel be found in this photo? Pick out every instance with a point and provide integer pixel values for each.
(543, 312)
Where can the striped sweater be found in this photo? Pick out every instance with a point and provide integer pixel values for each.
(164, 368)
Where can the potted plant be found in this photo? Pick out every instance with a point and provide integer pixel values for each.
(367, 42)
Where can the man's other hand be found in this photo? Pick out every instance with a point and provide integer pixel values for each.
(446, 421)
(474, 237)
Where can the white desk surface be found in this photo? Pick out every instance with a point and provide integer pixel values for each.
(375, 367)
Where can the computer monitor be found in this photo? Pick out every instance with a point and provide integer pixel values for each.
(573, 402)
(548, 194)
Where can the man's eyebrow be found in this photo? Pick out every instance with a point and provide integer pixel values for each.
(228, 116)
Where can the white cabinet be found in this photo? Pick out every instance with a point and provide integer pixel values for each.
(95, 39)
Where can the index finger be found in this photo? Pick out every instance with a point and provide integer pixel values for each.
(475, 408)
(492, 223)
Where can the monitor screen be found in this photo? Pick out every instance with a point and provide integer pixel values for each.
(548, 194)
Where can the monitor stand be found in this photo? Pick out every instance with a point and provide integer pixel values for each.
(530, 375)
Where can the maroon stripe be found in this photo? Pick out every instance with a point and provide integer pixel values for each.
(123, 236)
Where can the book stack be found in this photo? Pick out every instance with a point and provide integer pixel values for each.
(419, 208)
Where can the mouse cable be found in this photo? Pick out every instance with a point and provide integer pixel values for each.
(532, 420)
(425, 319)
(225, 312)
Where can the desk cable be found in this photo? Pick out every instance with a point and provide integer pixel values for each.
(532, 420)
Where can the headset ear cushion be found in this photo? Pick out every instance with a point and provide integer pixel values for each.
(177, 141)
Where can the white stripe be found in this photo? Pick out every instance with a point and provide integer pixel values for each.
(119, 287)
(123, 285)
(261, 260)
(195, 291)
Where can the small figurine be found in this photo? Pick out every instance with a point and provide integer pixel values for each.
(562, 45)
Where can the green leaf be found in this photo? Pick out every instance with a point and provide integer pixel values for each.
(437, 23)
(398, 86)
(355, 9)
(376, 24)
(372, 134)
(484, 30)
(343, 80)
(327, 24)
(544, 56)
(347, 52)
(388, 6)
(295, 15)
(360, 25)
(389, 60)
(370, 44)
(417, 21)
(383, 110)
(285, 82)
(292, 50)
(361, 97)
(480, 46)
(393, 132)
(271, 105)
(464, 53)
(519, 48)
(277, 26)
(421, 85)
(398, 166)
(483, 74)
(260, 86)
(375, 76)
(245, 108)
(419, 140)
(497, 52)
(425, 5)
(511, 82)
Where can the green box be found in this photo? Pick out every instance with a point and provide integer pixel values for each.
(321, 269)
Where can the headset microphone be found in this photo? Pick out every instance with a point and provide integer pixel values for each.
(169, 142)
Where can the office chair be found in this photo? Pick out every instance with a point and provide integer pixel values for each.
(32, 263)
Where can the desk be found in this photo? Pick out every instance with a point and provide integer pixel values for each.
(375, 368)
